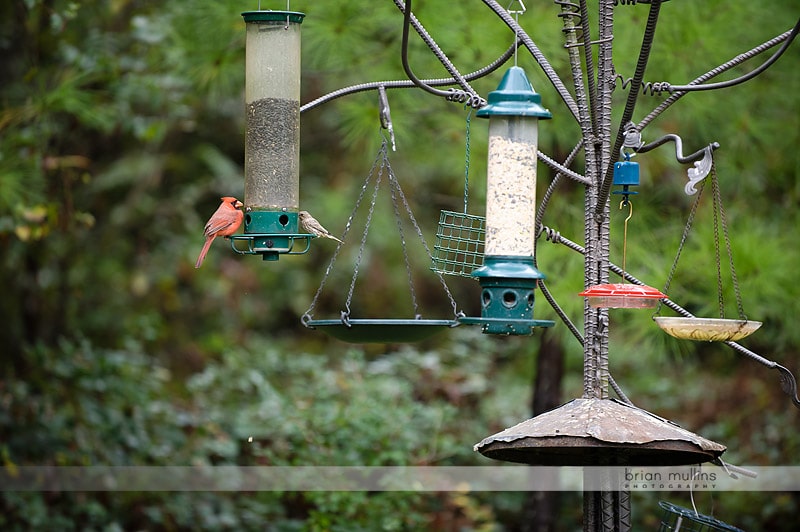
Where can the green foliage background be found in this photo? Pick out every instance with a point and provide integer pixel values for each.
(121, 124)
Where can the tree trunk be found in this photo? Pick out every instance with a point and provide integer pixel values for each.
(541, 511)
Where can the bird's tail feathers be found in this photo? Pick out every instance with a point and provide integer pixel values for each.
(204, 251)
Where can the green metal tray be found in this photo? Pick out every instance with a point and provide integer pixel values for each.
(387, 331)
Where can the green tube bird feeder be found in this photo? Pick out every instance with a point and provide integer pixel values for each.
(508, 276)
(272, 136)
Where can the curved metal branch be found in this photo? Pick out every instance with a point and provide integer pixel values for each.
(551, 74)
(788, 384)
(465, 95)
(560, 168)
(739, 59)
(702, 158)
(406, 84)
(746, 77)
(404, 52)
(683, 159)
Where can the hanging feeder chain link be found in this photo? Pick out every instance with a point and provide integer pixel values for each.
(724, 223)
(466, 159)
(720, 299)
(686, 229)
(307, 316)
(362, 246)
(380, 165)
(394, 188)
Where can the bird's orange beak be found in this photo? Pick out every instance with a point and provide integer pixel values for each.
(238, 204)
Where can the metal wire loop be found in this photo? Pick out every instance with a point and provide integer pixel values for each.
(647, 88)
(470, 99)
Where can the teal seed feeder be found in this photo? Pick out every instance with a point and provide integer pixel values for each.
(272, 136)
(508, 277)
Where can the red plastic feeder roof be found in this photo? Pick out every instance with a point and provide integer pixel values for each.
(622, 295)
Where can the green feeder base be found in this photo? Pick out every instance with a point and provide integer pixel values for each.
(271, 234)
(505, 325)
(507, 295)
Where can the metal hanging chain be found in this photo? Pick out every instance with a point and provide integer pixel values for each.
(466, 160)
(379, 166)
(399, 191)
(720, 211)
(720, 298)
(394, 187)
(309, 313)
(382, 156)
(719, 220)
(685, 234)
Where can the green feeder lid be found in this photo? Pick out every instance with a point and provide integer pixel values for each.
(273, 16)
(507, 267)
(514, 97)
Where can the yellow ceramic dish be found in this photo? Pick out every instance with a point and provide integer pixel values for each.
(707, 329)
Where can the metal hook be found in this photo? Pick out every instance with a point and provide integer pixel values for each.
(516, 13)
(520, 11)
(625, 202)
(385, 114)
(702, 159)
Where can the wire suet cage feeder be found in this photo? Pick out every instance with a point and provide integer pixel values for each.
(458, 249)
(679, 519)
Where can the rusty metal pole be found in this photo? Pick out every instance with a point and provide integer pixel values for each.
(599, 507)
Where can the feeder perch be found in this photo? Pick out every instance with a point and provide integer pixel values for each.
(272, 136)
(508, 277)
(622, 295)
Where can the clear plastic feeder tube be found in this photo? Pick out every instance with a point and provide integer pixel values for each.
(511, 186)
(272, 97)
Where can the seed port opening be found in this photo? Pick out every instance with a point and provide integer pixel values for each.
(509, 298)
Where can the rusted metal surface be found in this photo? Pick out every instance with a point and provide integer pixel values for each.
(599, 432)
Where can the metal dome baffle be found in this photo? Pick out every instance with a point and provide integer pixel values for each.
(272, 136)
(599, 432)
(508, 277)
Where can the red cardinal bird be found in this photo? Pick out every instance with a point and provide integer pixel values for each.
(224, 222)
